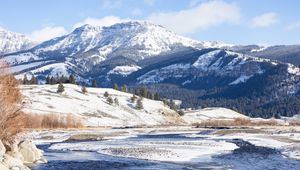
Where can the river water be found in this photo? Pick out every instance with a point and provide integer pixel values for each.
(244, 156)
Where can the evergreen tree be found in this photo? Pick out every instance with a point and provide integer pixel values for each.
(94, 83)
(181, 112)
(150, 95)
(116, 101)
(156, 96)
(115, 86)
(124, 88)
(143, 92)
(136, 92)
(60, 88)
(83, 89)
(139, 104)
(63, 79)
(25, 79)
(48, 80)
(133, 98)
(52, 80)
(172, 105)
(110, 100)
(106, 94)
(72, 79)
(33, 80)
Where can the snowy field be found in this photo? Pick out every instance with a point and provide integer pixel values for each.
(93, 107)
(173, 148)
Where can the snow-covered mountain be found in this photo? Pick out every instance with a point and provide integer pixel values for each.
(12, 42)
(284, 53)
(223, 78)
(88, 46)
(143, 54)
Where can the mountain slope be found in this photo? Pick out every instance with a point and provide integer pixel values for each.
(214, 77)
(93, 108)
(12, 42)
(284, 53)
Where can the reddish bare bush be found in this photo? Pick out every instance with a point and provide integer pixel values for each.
(52, 121)
(294, 122)
(236, 122)
(11, 117)
(268, 122)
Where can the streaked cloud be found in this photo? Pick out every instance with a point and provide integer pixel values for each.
(204, 16)
(265, 20)
(47, 33)
(136, 12)
(105, 21)
(110, 4)
(149, 2)
(293, 26)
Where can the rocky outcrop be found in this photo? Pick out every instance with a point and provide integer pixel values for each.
(2, 149)
(20, 155)
(30, 153)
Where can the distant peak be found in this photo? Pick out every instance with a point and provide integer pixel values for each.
(86, 27)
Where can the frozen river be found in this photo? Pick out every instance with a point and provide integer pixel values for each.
(168, 150)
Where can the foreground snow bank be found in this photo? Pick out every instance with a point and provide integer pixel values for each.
(19, 156)
(93, 108)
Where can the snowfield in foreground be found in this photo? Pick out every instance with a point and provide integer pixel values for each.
(93, 108)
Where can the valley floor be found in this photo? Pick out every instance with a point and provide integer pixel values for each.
(170, 147)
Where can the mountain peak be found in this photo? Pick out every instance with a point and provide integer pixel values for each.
(13, 42)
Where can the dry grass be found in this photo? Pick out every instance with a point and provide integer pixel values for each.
(222, 123)
(52, 121)
(294, 122)
(236, 122)
(11, 117)
(268, 122)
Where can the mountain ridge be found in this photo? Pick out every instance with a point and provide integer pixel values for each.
(12, 42)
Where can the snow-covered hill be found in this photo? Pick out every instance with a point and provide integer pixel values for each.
(196, 116)
(13, 42)
(93, 108)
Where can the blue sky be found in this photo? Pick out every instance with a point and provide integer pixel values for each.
(232, 21)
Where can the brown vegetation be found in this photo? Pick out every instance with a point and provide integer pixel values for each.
(236, 122)
(52, 121)
(11, 117)
(294, 122)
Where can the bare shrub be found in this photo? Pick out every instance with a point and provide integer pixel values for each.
(11, 117)
(52, 121)
(236, 122)
(268, 122)
(241, 122)
(214, 123)
(294, 122)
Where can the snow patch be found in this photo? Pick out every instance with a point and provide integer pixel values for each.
(124, 70)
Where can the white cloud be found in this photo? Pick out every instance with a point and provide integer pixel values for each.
(110, 4)
(203, 16)
(149, 2)
(293, 26)
(105, 21)
(265, 20)
(47, 33)
(136, 12)
(193, 3)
